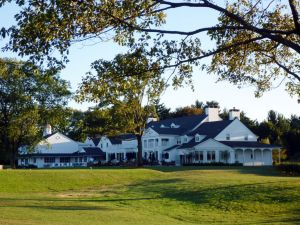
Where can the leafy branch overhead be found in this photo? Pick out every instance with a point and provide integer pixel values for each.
(254, 41)
(128, 86)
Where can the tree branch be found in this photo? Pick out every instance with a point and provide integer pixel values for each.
(237, 18)
(221, 49)
(295, 15)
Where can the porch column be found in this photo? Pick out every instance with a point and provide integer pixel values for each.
(252, 156)
(204, 156)
(217, 156)
(262, 157)
(279, 160)
(232, 158)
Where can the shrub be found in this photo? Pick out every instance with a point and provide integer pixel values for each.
(291, 169)
(213, 164)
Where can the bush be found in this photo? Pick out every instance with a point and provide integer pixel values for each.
(291, 169)
(213, 164)
(172, 163)
(30, 166)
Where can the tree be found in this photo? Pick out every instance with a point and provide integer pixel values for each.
(28, 99)
(161, 110)
(127, 86)
(255, 41)
(186, 111)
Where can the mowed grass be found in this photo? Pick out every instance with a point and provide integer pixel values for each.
(173, 195)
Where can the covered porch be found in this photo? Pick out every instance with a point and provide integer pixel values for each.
(205, 156)
(254, 156)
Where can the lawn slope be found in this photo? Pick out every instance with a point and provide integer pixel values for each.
(149, 196)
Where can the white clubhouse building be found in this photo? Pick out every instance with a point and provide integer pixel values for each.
(180, 141)
(205, 139)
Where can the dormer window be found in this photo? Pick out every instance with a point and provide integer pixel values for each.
(185, 139)
(246, 137)
(227, 137)
(162, 126)
(197, 138)
(173, 125)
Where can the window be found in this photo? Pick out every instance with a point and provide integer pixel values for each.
(197, 156)
(150, 143)
(76, 159)
(64, 159)
(179, 141)
(211, 156)
(145, 155)
(145, 144)
(201, 156)
(106, 144)
(227, 137)
(49, 160)
(166, 156)
(185, 140)
(101, 145)
(156, 142)
(197, 138)
(164, 141)
(120, 156)
(34, 160)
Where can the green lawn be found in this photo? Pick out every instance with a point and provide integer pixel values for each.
(149, 196)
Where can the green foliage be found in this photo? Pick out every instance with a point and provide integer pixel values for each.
(128, 87)
(254, 42)
(30, 98)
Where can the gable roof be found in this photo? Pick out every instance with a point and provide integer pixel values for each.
(122, 137)
(49, 135)
(96, 141)
(248, 144)
(92, 151)
(211, 129)
(185, 123)
(192, 143)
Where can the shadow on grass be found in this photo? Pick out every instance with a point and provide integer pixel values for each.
(254, 198)
(256, 170)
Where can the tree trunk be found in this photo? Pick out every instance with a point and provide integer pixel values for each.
(13, 158)
(140, 150)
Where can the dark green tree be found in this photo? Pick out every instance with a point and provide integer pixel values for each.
(29, 98)
(162, 111)
(128, 86)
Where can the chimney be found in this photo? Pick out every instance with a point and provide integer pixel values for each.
(234, 113)
(47, 130)
(212, 113)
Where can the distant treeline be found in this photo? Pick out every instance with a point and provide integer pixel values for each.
(275, 129)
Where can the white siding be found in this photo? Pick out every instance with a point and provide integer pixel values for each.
(237, 131)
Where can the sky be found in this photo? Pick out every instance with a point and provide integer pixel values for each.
(206, 88)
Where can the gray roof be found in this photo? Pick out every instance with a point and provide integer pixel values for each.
(89, 151)
(122, 137)
(192, 143)
(248, 144)
(96, 141)
(171, 148)
(211, 129)
(186, 124)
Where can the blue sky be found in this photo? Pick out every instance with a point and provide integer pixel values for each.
(206, 88)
